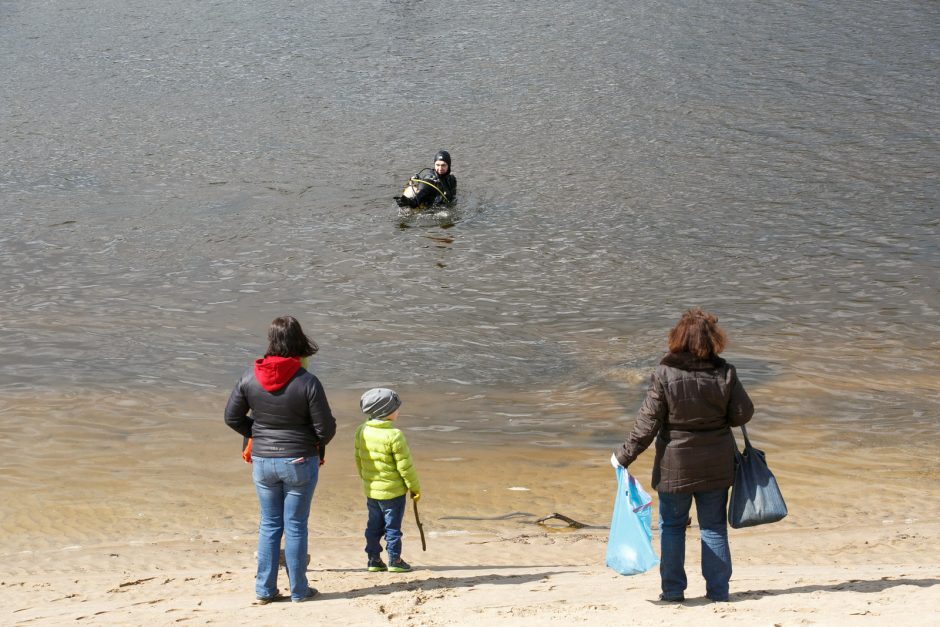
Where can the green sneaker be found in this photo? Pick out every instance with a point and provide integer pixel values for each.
(399, 566)
(376, 565)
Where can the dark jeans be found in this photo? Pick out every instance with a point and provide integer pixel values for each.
(712, 510)
(385, 519)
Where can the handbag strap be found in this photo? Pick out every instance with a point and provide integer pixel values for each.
(747, 440)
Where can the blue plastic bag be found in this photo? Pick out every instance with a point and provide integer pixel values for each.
(630, 544)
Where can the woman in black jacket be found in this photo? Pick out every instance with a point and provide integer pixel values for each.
(290, 424)
(693, 400)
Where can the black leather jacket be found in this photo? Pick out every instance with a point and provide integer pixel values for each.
(428, 196)
(292, 421)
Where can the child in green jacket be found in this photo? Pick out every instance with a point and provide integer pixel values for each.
(388, 473)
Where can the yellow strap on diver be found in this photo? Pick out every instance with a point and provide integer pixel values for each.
(432, 185)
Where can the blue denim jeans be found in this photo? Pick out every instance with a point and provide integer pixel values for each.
(285, 489)
(712, 510)
(385, 519)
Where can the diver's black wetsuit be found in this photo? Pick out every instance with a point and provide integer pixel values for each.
(427, 195)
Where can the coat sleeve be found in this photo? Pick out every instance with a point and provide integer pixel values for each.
(324, 424)
(404, 463)
(740, 408)
(236, 411)
(649, 421)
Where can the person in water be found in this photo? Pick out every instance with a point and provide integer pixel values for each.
(428, 189)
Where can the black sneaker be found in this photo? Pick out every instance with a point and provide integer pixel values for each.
(376, 565)
(400, 566)
(265, 600)
(672, 598)
(311, 592)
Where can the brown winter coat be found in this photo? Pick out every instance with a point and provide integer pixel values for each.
(690, 408)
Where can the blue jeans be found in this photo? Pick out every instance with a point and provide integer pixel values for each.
(285, 490)
(385, 519)
(711, 508)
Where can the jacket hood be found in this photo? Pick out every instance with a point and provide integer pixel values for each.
(273, 373)
(688, 361)
(443, 155)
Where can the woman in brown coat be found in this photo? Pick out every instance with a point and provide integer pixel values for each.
(693, 400)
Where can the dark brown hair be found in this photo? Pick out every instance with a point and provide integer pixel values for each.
(287, 339)
(698, 333)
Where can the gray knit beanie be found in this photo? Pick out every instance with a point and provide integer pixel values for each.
(379, 403)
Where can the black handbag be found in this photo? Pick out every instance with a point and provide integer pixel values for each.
(755, 495)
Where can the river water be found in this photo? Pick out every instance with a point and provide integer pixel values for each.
(174, 175)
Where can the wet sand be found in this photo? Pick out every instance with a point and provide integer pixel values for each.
(154, 522)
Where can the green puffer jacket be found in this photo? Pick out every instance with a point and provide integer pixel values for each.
(384, 461)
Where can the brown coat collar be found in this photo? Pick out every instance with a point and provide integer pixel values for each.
(688, 361)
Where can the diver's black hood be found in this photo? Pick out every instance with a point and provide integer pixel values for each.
(443, 155)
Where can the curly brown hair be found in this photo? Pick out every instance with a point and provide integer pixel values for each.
(697, 332)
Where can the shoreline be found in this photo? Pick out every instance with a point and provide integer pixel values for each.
(158, 526)
(860, 557)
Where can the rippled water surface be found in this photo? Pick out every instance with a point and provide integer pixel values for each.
(176, 174)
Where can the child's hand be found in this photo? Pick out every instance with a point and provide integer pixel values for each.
(246, 454)
(415, 497)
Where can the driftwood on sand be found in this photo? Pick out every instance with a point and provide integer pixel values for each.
(574, 524)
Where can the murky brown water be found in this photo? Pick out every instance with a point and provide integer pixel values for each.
(175, 176)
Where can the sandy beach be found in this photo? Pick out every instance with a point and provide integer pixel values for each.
(178, 546)
(176, 174)
(530, 578)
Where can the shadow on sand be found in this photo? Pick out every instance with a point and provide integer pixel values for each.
(439, 583)
(852, 585)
